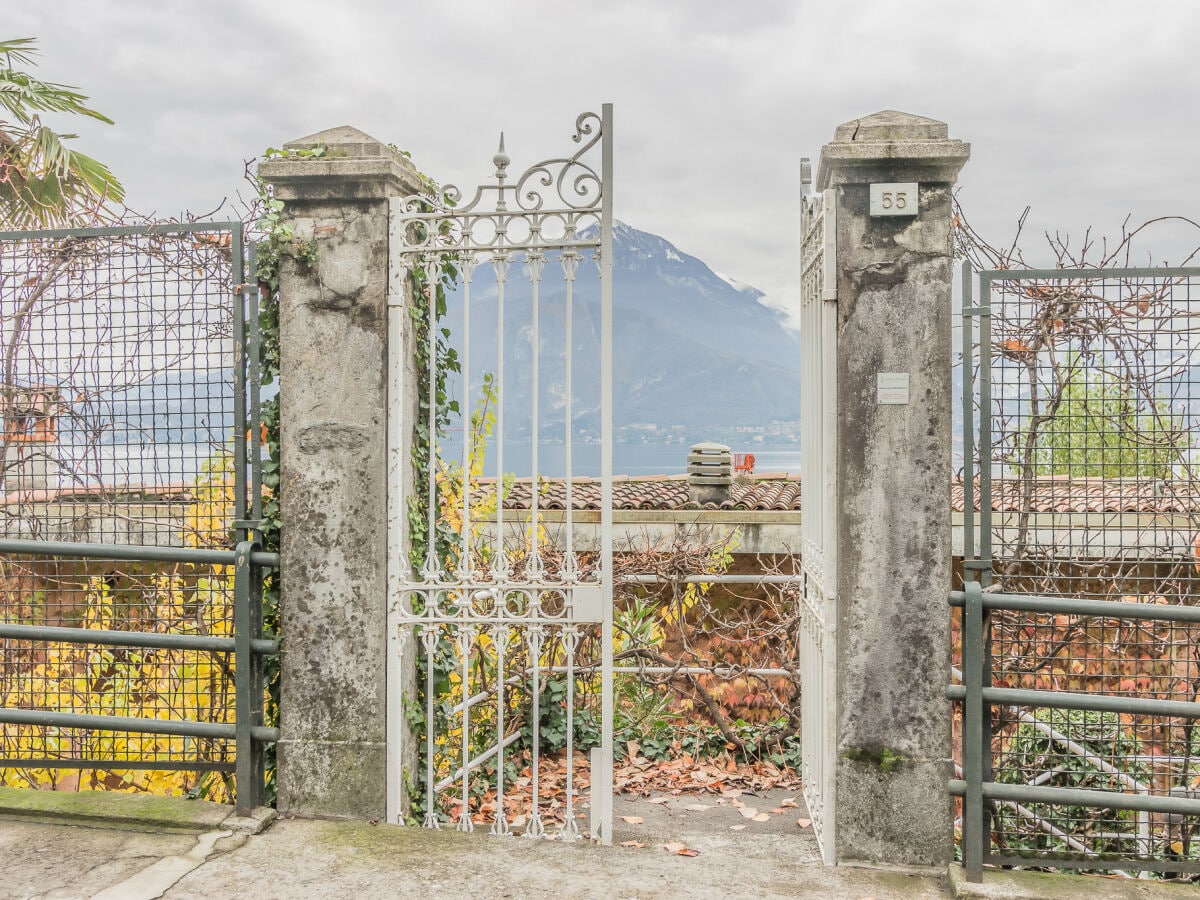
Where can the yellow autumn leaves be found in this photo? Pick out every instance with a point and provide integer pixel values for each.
(126, 681)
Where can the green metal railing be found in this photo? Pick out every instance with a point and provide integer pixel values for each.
(978, 697)
(248, 645)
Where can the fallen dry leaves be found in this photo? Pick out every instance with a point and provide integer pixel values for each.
(721, 777)
(518, 795)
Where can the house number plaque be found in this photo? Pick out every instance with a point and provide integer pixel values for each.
(894, 199)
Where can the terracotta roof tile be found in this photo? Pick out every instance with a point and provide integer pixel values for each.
(781, 492)
(758, 493)
(1059, 494)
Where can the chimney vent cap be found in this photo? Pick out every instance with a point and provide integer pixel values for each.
(710, 473)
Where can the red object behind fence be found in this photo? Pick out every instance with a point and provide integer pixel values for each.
(743, 462)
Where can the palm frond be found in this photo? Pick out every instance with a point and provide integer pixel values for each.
(19, 94)
(21, 50)
(43, 182)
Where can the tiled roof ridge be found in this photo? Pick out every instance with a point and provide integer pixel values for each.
(765, 492)
(760, 492)
(593, 479)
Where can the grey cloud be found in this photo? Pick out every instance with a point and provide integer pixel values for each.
(1085, 111)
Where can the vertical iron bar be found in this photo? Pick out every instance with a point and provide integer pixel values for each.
(974, 839)
(534, 262)
(466, 564)
(570, 830)
(827, 312)
(602, 785)
(985, 743)
(465, 634)
(258, 694)
(985, 428)
(429, 639)
(500, 637)
(243, 681)
(237, 249)
(973, 821)
(570, 263)
(968, 401)
(536, 828)
(403, 642)
(500, 265)
(255, 379)
(432, 564)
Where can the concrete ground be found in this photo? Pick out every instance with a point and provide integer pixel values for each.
(115, 847)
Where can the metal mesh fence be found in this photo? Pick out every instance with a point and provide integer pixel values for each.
(1092, 486)
(117, 383)
(1095, 390)
(119, 395)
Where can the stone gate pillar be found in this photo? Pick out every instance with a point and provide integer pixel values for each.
(333, 490)
(893, 481)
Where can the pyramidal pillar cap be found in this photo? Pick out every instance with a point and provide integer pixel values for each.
(353, 165)
(891, 145)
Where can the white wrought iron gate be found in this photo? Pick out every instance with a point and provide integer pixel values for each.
(504, 603)
(819, 551)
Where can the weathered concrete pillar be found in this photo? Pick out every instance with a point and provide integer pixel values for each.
(333, 491)
(894, 417)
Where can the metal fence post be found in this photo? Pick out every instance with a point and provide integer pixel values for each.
(974, 839)
(248, 685)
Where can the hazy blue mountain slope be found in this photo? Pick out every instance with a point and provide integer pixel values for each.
(689, 348)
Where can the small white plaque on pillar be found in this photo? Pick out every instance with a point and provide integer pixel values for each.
(891, 389)
(897, 199)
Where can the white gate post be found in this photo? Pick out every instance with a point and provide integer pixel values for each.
(892, 175)
(334, 348)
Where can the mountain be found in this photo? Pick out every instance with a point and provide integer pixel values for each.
(694, 354)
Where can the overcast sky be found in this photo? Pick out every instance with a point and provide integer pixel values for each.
(1088, 111)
